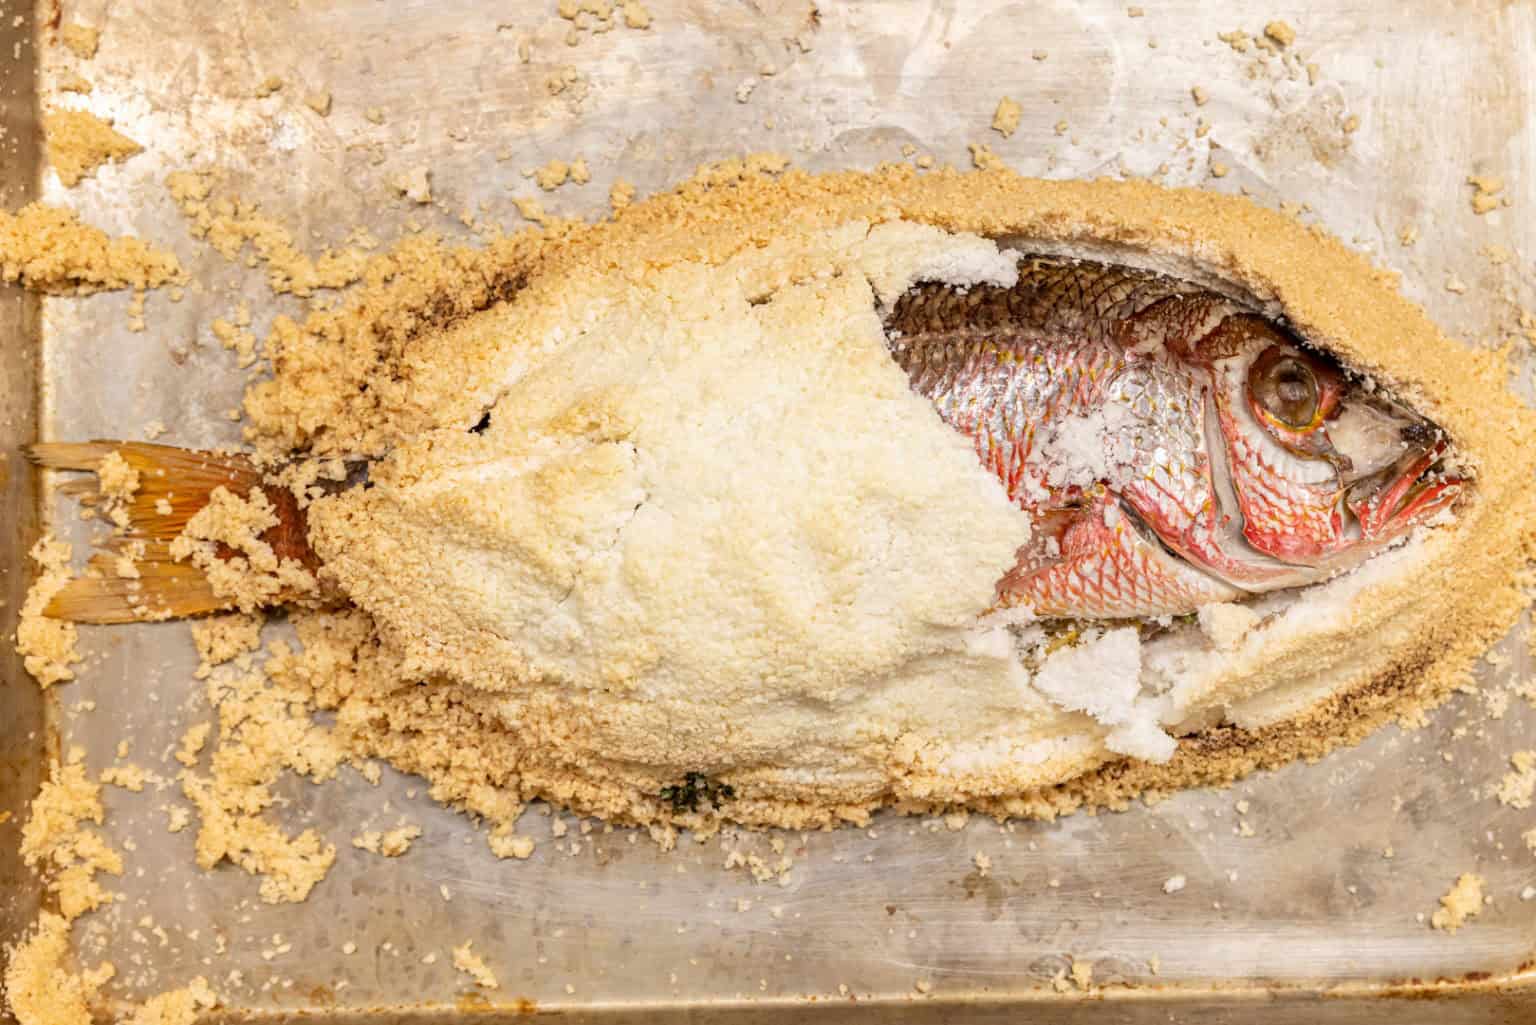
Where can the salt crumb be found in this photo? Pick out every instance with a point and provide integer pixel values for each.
(80, 40)
(471, 964)
(1462, 901)
(415, 184)
(636, 15)
(1005, 120)
(982, 156)
(552, 175)
(511, 845)
(1518, 786)
(1485, 190)
(1280, 32)
(1173, 884)
(1082, 974)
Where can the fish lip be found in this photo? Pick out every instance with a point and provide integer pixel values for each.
(1411, 488)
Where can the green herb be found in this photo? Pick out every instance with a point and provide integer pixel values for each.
(695, 786)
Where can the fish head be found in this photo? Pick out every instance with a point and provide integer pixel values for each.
(1324, 468)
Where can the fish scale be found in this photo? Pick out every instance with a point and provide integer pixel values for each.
(1000, 364)
(1089, 390)
(1003, 365)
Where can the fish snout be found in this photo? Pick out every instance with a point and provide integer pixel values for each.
(1406, 494)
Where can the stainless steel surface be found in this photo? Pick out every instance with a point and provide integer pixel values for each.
(1307, 921)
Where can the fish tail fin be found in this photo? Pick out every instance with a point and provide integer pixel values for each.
(174, 483)
(136, 579)
(155, 586)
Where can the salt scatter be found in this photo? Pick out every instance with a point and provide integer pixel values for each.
(1088, 447)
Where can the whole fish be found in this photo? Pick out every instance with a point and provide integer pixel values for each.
(1173, 446)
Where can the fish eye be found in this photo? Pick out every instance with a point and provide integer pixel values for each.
(1285, 388)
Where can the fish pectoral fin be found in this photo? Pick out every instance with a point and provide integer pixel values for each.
(1108, 566)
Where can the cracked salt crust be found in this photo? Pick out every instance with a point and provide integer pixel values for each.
(57, 840)
(1244, 657)
(220, 639)
(117, 482)
(264, 729)
(39, 987)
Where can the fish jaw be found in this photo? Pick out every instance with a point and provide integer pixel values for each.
(1099, 562)
(1410, 498)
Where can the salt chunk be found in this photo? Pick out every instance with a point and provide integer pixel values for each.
(1102, 677)
(1225, 624)
(1088, 447)
(897, 254)
(1142, 738)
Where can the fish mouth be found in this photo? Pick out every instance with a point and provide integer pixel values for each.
(1404, 494)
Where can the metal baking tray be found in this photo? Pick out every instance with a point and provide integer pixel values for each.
(1307, 921)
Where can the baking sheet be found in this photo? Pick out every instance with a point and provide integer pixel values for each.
(1308, 905)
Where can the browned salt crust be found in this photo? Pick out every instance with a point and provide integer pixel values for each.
(362, 379)
(47, 249)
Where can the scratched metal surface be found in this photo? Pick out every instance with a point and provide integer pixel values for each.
(1308, 905)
